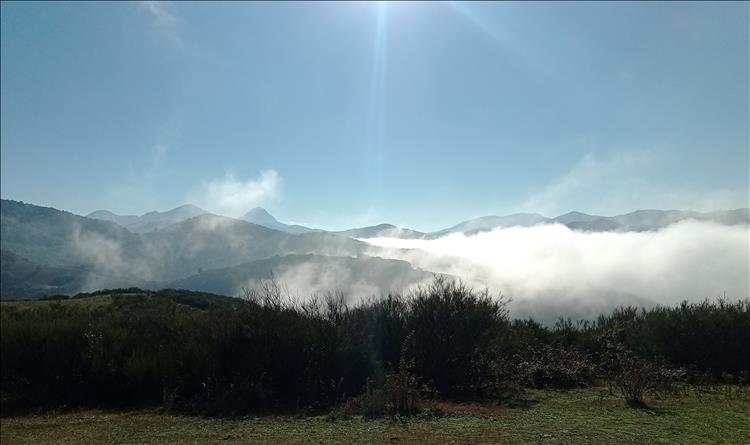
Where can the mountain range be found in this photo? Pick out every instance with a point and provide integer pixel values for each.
(639, 220)
(45, 251)
(260, 216)
(150, 221)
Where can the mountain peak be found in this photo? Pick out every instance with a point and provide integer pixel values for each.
(259, 215)
(151, 220)
(189, 207)
(101, 214)
(576, 217)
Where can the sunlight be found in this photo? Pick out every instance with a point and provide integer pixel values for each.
(376, 116)
(505, 36)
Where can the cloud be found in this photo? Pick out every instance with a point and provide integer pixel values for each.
(234, 197)
(163, 22)
(619, 183)
(308, 279)
(543, 266)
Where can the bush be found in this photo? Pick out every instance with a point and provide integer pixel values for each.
(372, 402)
(634, 379)
(553, 366)
(402, 386)
(217, 355)
(455, 328)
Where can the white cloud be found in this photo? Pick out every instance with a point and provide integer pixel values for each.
(163, 21)
(550, 264)
(234, 197)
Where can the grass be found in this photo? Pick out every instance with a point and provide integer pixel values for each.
(588, 416)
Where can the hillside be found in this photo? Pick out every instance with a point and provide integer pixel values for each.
(309, 274)
(637, 221)
(24, 279)
(382, 230)
(260, 216)
(81, 254)
(150, 221)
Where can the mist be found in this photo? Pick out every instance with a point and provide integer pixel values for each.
(306, 280)
(552, 269)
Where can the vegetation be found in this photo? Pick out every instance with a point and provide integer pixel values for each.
(579, 416)
(205, 354)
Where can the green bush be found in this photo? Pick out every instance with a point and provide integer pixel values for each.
(455, 328)
(220, 355)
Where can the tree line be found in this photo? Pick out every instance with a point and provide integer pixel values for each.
(268, 352)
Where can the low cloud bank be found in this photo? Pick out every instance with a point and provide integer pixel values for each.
(552, 269)
(232, 196)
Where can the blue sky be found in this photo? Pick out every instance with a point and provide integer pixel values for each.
(346, 114)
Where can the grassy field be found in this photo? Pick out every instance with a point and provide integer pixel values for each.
(589, 416)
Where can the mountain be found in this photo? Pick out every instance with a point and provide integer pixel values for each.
(575, 217)
(57, 238)
(63, 241)
(487, 223)
(646, 220)
(260, 216)
(45, 250)
(602, 224)
(148, 222)
(637, 221)
(21, 278)
(382, 230)
(649, 219)
(210, 241)
(308, 274)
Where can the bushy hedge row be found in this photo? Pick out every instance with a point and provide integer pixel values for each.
(265, 352)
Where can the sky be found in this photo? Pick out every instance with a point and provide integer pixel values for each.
(338, 115)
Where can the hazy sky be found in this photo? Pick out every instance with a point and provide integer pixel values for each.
(347, 114)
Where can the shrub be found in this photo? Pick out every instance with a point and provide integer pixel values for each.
(553, 366)
(218, 355)
(402, 392)
(402, 386)
(372, 402)
(454, 327)
(634, 379)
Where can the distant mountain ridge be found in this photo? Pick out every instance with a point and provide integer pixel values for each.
(487, 223)
(46, 251)
(148, 222)
(639, 220)
(62, 241)
(260, 216)
(382, 230)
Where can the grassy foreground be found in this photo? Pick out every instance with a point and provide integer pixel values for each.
(588, 416)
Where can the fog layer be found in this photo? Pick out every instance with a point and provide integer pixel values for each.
(551, 265)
